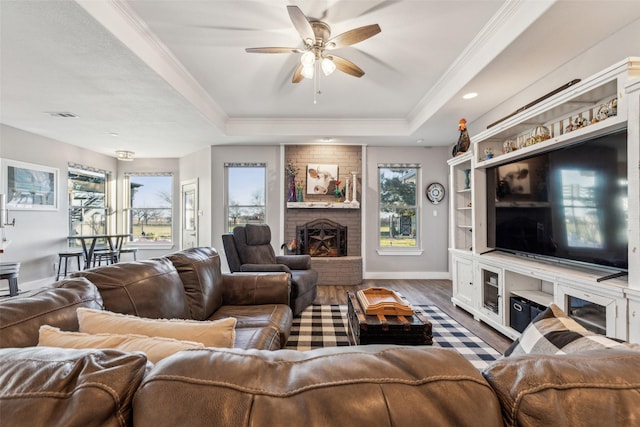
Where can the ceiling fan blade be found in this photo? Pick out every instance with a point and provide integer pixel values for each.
(353, 36)
(297, 74)
(273, 50)
(301, 23)
(346, 66)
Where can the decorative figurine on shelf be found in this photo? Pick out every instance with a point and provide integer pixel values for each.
(488, 153)
(337, 192)
(292, 171)
(464, 142)
(300, 192)
(467, 179)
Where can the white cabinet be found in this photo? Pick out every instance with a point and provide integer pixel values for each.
(601, 310)
(460, 185)
(491, 283)
(633, 309)
(465, 291)
(611, 307)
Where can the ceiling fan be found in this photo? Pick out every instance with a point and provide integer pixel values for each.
(317, 42)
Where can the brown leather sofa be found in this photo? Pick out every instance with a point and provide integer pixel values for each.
(352, 386)
(183, 285)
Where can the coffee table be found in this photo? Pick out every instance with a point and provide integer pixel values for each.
(372, 329)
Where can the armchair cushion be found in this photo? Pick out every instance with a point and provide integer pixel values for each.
(251, 245)
(265, 267)
(295, 262)
(258, 234)
(256, 289)
(199, 270)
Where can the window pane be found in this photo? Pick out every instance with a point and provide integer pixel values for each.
(151, 208)
(398, 209)
(245, 195)
(87, 205)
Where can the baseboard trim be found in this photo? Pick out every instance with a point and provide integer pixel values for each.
(408, 275)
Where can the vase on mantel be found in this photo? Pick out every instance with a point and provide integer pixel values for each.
(292, 189)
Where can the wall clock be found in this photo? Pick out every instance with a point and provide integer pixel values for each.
(435, 193)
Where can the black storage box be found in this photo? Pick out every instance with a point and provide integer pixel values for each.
(522, 311)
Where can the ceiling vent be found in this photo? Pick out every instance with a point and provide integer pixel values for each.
(65, 115)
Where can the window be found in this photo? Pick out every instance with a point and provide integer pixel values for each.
(87, 190)
(245, 195)
(398, 213)
(149, 207)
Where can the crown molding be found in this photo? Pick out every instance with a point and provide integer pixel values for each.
(513, 18)
(125, 25)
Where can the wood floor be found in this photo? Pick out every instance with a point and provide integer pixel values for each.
(421, 292)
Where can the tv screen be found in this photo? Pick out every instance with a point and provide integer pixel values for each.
(570, 203)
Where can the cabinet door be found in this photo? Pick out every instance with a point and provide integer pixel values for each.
(634, 321)
(601, 314)
(491, 292)
(463, 287)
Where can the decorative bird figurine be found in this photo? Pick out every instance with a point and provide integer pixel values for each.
(463, 140)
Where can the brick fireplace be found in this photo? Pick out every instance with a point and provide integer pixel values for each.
(333, 270)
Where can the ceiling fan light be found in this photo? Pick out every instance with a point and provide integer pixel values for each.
(308, 58)
(328, 66)
(307, 71)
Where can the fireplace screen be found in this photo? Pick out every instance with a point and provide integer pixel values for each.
(322, 237)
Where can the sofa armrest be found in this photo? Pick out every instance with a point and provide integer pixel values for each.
(295, 262)
(264, 267)
(256, 288)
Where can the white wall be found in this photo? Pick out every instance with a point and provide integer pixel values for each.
(197, 166)
(432, 262)
(39, 235)
(275, 190)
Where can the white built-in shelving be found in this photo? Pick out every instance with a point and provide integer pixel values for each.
(484, 281)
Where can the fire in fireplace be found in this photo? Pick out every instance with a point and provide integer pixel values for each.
(322, 238)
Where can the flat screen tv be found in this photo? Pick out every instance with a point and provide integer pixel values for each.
(569, 204)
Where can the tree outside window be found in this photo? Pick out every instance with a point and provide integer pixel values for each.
(245, 195)
(398, 211)
(150, 207)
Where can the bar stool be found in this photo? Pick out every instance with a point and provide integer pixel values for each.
(133, 251)
(9, 272)
(109, 257)
(66, 256)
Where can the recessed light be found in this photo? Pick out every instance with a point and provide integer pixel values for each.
(469, 95)
(113, 134)
(327, 139)
(419, 141)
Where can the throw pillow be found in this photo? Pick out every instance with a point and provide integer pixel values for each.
(156, 348)
(554, 332)
(216, 333)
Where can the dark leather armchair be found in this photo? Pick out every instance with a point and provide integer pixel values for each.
(249, 248)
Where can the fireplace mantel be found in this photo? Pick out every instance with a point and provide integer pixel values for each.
(323, 205)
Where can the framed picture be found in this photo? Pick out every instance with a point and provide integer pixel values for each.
(320, 178)
(29, 187)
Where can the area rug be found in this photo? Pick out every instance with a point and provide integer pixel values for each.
(326, 326)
